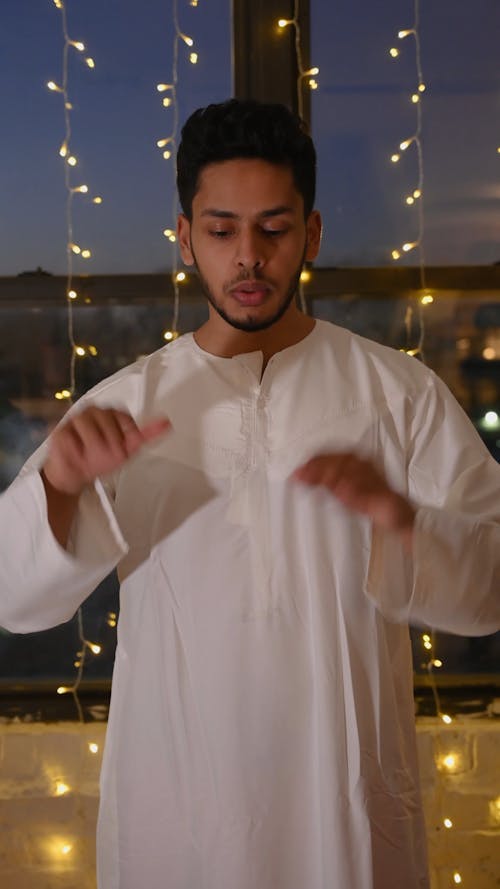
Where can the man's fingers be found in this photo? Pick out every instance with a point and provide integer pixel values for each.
(155, 428)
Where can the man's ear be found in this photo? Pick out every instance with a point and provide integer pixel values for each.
(184, 238)
(314, 229)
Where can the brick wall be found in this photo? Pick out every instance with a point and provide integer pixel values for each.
(49, 793)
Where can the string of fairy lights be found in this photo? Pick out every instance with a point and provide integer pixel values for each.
(305, 78)
(415, 198)
(168, 145)
(448, 762)
(73, 249)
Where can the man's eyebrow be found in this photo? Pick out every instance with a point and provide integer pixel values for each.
(227, 214)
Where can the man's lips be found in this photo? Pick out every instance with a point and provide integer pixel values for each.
(250, 293)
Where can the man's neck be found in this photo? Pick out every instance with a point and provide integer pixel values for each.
(220, 338)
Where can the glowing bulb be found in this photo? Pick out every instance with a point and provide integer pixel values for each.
(90, 62)
(63, 150)
(78, 45)
(406, 144)
(450, 761)
(427, 645)
(94, 748)
(170, 235)
(80, 351)
(408, 247)
(395, 158)
(417, 193)
(58, 4)
(66, 848)
(446, 719)
(61, 788)
(410, 200)
(97, 200)
(167, 102)
(72, 294)
(95, 649)
(162, 142)
(448, 823)
(305, 276)
(59, 396)
(421, 87)
(426, 637)
(168, 335)
(491, 418)
(75, 248)
(72, 161)
(394, 52)
(456, 877)
(313, 85)
(54, 87)
(427, 299)
(81, 188)
(62, 690)
(161, 87)
(403, 34)
(396, 254)
(193, 2)
(437, 663)
(193, 58)
(415, 98)
(86, 254)
(167, 154)
(312, 72)
(489, 353)
(180, 276)
(93, 351)
(187, 40)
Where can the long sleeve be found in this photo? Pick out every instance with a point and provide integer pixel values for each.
(42, 584)
(453, 580)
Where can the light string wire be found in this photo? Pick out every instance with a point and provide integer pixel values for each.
(72, 248)
(446, 761)
(169, 144)
(312, 83)
(417, 197)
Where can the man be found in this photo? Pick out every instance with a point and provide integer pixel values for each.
(281, 498)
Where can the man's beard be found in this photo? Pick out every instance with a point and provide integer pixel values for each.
(250, 324)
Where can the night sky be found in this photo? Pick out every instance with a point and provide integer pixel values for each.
(361, 112)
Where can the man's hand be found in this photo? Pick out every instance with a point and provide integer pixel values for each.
(93, 443)
(361, 488)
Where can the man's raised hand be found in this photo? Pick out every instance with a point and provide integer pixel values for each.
(92, 443)
(360, 488)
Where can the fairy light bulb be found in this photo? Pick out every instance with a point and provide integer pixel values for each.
(305, 276)
(394, 52)
(395, 158)
(450, 761)
(61, 788)
(409, 246)
(63, 690)
(403, 34)
(415, 98)
(72, 161)
(66, 848)
(167, 154)
(180, 277)
(437, 663)
(446, 719)
(168, 335)
(410, 200)
(162, 142)
(78, 45)
(448, 823)
(86, 254)
(163, 87)
(54, 87)
(81, 188)
(97, 200)
(193, 58)
(282, 23)
(406, 144)
(63, 151)
(313, 84)
(427, 299)
(72, 294)
(167, 102)
(421, 87)
(75, 248)
(456, 877)
(80, 351)
(90, 62)
(95, 649)
(396, 254)
(170, 234)
(93, 748)
(187, 40)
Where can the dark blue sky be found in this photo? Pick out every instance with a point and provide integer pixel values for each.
(360, 113)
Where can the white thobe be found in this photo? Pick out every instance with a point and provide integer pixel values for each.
(261, 730)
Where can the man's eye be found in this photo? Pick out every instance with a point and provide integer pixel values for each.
(273, 232)
(218, 233)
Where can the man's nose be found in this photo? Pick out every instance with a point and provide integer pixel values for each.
(250, 252)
